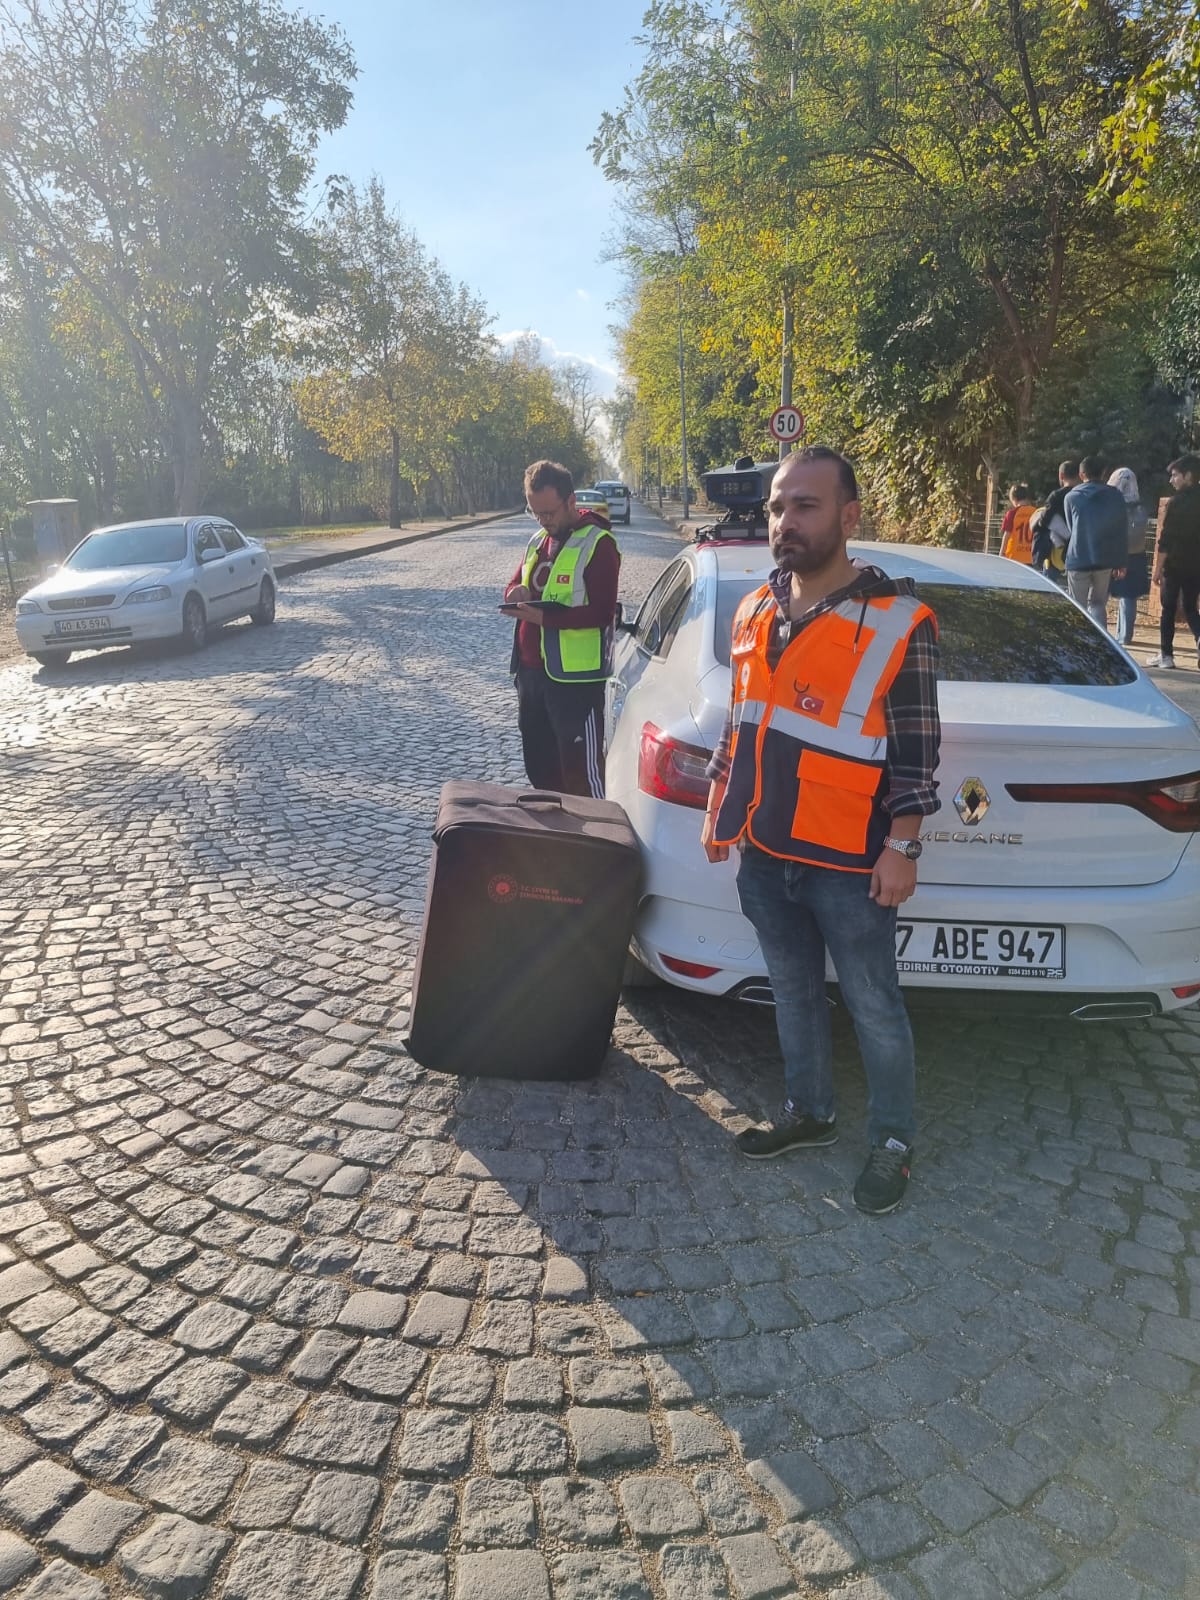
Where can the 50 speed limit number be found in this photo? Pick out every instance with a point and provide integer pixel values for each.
(786, 424)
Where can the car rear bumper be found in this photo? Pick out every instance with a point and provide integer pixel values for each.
(1127, 949)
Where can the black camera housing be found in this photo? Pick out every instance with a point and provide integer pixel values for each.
(743, 489)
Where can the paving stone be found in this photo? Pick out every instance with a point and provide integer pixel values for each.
(603, 1437)
(37, 1493)
(691, 1572)
(63, 1415)
(61, 1581)
(496, 1513)
(372, 1311)
(694, 1437)
(294, 1564)
(419, 1514)
(1156, 1558)
(520, 1443)
(886, 1529)
(607, 1383)
(196, 1390)
(600, 1575)
(437, 1319)
(111, 1448)
(465, 1381)
(16, 1559)
(173, 1557)
(534, 1384)
(92, 1527)
(957, 1501)
(188, 1476)
(337, 1432)
(268, 1497)
(578, 1511)
(727, 1506)
(409, 1575)
(502, 1575)
(795, 1483)
(127, 1364)
(820, 1549)
(259, 1414)
(435, 1443)
(338, 1504)
(952, 1573)
(321, 1356)
(1018, 1555)
(659, 1508)
(211, 1328)
(756, 1566)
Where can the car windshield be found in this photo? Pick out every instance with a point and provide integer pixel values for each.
(990, 636)
(156, 545)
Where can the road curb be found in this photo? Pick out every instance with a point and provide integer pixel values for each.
(330, 558)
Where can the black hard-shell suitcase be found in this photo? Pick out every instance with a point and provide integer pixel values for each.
(530, 907)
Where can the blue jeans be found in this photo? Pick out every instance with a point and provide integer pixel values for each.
(797, 912)
(1126, 617)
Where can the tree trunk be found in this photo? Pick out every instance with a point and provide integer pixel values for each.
(394, 483)
(187, 453)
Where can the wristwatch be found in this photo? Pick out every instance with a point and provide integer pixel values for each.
(907, 847)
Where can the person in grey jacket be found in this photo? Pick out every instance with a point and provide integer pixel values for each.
(1099, 543)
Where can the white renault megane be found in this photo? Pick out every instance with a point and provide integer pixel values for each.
(1064, 865)
(169, 579)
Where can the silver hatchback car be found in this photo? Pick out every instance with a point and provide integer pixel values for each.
(172, 578)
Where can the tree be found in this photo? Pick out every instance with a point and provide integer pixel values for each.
(395, 339)
(919, 184)
(159, 157)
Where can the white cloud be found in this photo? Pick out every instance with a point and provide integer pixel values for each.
(552, 353)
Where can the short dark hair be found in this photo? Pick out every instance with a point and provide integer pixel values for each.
(1022, 494)
(1068, 469)
(1189, 463)
(847, 482)
(1091, 468)
(549, 475)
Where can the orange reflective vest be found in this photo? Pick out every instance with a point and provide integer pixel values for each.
(809, 747)
(1018, 541)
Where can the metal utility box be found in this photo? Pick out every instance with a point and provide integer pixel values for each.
(55, 529)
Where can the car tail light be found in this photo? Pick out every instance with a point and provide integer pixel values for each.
(672, 771)
(1174, 803)
(686, 969)
(1185, 991)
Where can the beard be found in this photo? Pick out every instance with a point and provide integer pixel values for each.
(807, 553)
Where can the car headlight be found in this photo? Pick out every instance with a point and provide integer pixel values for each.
(28, 608)
(160, 591)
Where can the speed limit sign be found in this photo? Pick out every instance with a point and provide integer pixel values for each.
(786, 424)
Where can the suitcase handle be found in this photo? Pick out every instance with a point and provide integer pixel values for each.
(540, 797)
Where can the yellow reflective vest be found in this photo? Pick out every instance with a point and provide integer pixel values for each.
(571, 655)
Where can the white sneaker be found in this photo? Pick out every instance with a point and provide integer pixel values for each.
(1164, 663)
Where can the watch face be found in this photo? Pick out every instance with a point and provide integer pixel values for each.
(913, 849)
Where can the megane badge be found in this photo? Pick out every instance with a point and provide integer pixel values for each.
(972, 801)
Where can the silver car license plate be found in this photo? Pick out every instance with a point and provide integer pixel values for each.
(981, 949)
(82, 625)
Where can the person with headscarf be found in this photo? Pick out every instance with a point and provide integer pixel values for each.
(1134, 582)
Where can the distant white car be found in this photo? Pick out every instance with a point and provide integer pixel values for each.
(1064, 864)
(173, 578)
(618, 497)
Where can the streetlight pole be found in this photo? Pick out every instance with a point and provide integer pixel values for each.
(785, 381)
(682, 399)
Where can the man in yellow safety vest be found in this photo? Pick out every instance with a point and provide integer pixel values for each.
(564, 597)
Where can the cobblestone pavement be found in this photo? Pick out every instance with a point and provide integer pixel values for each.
(283, 1313)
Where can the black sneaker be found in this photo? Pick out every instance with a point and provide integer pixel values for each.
(790, 1132)
(882, 1182)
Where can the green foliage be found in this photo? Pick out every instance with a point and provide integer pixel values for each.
(920, 183)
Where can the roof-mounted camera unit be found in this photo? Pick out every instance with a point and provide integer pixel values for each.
(743, 489)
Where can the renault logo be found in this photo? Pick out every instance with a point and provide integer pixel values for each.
(972, 801)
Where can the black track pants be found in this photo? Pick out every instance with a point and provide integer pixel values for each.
(562, 733)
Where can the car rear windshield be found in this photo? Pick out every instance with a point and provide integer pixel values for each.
(155, 545)
(992, 636)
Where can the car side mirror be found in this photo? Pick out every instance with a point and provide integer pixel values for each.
(625, 624)
(211, 555)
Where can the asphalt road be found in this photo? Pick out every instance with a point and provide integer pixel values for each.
(283, 1312)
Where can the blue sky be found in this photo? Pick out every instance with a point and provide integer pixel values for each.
(477, 115)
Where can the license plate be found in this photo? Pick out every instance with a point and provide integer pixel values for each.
(82, 625)
(981, 949)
